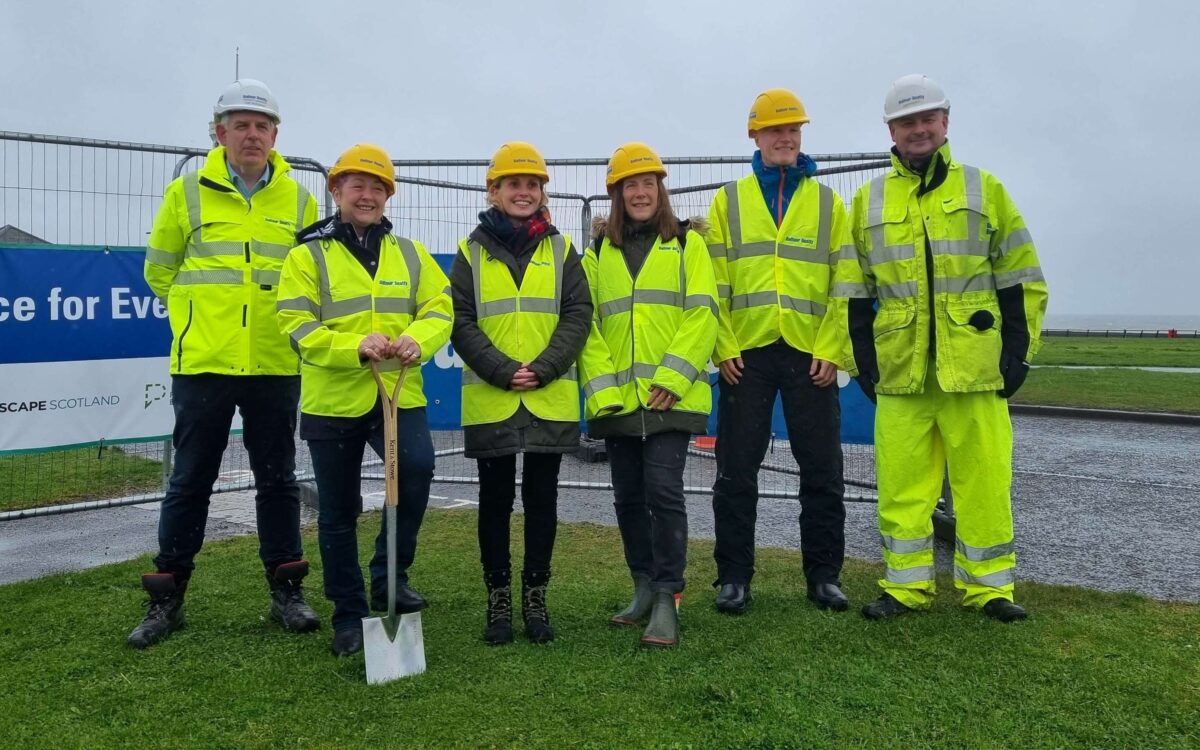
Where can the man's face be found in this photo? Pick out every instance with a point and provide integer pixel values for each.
(779, 144)
(918, 136)
(248, 138)
(361, 198)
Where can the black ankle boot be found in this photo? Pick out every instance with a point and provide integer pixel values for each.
(164, 614)
(499, 609)
(288, 607)
(533, 606)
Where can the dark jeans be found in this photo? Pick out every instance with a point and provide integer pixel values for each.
(338, 466)
(813, 418)
(204, 406)
(539, 496)
(647, 477)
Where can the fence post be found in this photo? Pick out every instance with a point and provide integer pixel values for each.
(168, 462)
(585, 216)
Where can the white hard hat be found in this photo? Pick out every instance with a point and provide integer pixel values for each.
(912, 94)
(247, 95)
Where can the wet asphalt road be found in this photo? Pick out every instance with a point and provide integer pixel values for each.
(1107, 505)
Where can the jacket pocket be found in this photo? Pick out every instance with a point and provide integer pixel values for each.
(895, 345)
(973, 355)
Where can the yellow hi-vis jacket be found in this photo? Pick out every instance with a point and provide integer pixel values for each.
(215, 258)
(656, 330)
(775, 282)
(519, 323)
(979, 244)
(328, 304)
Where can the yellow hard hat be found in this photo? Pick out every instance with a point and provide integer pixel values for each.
(517, 157)
(630, 159)
(368, 159)
(776, 107)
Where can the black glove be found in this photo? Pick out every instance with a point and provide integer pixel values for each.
(1013, 369)
(868, 376)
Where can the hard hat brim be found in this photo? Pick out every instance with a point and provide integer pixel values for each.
(917, 109)
(764, 124)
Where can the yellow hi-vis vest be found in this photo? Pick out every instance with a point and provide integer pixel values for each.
(979, 244)
(655, 330)
(774, 282)
(519, 323)
(215, 258)
(328, 304)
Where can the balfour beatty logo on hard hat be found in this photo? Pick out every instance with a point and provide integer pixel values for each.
(255, 98)
(637, 159)
(913, 98)
(364, 160)
(787, 108)
(523, 160)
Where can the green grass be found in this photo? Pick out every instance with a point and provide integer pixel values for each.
(1117, 352)
(28, 480)
(1111, 388)
(1088, 669)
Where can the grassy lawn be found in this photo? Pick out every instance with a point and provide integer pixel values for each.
(1087, 670)
(1113, 352)
(28, 480)
(1111, 388)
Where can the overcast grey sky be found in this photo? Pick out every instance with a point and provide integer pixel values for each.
(1082, 109)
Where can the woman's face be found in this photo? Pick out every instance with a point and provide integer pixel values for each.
(519, 196)
(640, 195)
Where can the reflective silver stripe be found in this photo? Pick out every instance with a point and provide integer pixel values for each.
(899, 290)
(436, 316)
(539, 305)
(226, 276)
(875, 201)
(476, 253)
(754, 299)
(616, 306)
(400, 305)
(752, 250)
(317, 252)
(191, 198)
(412, 259)
(716, 250)
(571, 374)
(269, 249)
(498, 307)
(958, 285)
(724, 290)
(805, 306)
(734, 216)
(919, 574)
(558, 244)
(824, 228)
(623, 376)
(1014, 240)
(163, 257)
(973, 183)
(999, 579)
(656, 297)
(599, 383)
(850, 289)
(214, 249)
(681, 366)
(470, 378)
(693, 301)
(302, 304)
(264, 277)
(1012, 278)
(344, 307)
(302, 330)
(960, 247)
(907, 546)
(845, 252)
(644, 370)
(301, 204)
(983, 554)
(803, 254)
(881, 253)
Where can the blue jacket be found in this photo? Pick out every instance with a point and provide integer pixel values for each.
(770, 179)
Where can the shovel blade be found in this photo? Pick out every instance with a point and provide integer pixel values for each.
(392, 655)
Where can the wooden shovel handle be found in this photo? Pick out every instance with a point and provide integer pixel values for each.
(390, 437)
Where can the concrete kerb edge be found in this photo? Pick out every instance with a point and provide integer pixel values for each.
(1113, 415)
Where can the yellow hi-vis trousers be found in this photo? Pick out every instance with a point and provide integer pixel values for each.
(916, 437)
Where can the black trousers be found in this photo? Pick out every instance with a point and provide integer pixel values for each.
(813, 418)
(647, 475)
(539, 496)
(204, 405)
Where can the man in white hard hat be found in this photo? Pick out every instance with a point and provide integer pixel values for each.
(215, 254)
(961, 296)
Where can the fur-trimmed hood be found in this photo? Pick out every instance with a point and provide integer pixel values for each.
(697, 224)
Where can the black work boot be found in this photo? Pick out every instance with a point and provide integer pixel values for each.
(733, 598)
(884, 607)
(533, 606)
(1004, 610)
(165, 613)
(288, 607)
(499, 628)
(663, 629)
(639, 608)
